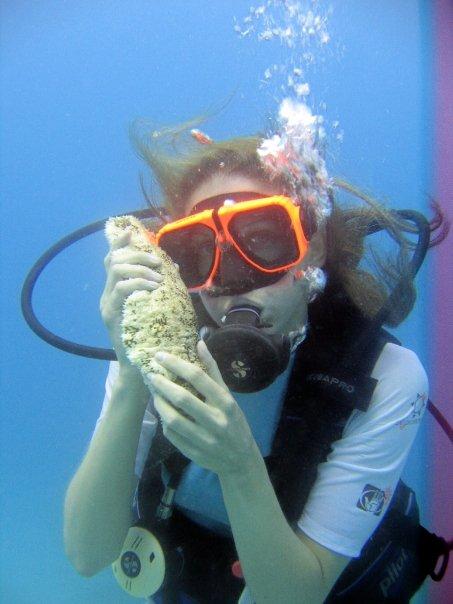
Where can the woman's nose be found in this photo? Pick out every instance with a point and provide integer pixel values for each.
(233, 269)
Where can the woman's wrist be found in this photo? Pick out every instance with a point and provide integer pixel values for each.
(253, 466)
(130, 384)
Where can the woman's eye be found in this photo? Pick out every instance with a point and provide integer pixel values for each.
(261, 236)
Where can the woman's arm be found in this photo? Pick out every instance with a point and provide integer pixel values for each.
(98, 501)
(373, 450)
(97, 511)
(279, 566)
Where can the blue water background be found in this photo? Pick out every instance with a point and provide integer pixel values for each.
(73, 76)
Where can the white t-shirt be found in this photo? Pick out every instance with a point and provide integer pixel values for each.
(356, 482)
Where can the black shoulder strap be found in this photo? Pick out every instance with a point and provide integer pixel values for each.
(331, 377)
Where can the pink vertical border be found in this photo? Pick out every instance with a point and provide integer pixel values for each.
(442, 366)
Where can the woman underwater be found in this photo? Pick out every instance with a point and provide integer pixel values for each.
(300, 509)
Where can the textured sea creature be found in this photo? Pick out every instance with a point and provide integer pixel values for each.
(160, 320)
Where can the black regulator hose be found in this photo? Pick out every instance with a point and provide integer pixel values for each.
(28, 312)
(108, 354)
(423, 230)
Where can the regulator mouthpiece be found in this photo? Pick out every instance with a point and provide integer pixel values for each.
(249, 359)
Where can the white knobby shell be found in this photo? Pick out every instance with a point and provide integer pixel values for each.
(160, 320)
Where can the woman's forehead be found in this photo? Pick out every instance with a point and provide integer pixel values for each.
(229, 186)
(211, 203)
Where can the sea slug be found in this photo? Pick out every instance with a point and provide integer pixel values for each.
(160, 320)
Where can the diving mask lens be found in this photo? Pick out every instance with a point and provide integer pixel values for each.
(266, 237)
(266, 233)
(193, 249)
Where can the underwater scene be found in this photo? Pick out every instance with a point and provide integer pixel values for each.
(227, 280)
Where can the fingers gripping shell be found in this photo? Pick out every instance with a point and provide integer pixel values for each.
(160, 320)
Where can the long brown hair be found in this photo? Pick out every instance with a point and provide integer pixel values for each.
(180, 164)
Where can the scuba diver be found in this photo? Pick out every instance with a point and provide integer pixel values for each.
(275, 475)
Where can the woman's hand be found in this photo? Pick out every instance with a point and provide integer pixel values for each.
(127, 270)
(212, 430)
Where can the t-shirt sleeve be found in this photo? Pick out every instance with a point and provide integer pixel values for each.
(148, 426)
(355, 484)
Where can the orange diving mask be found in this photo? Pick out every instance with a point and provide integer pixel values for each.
(266, 233)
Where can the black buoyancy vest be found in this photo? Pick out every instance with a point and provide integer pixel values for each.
(331, 377)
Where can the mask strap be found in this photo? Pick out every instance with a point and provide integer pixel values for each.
(308, 220)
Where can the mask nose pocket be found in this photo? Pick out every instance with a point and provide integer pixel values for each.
(222, 244)
(233, 269)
